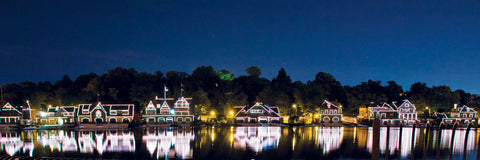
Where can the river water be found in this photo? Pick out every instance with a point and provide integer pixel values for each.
(242, 143)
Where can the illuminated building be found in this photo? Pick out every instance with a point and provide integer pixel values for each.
(385, 112)
(407, 112)
(330, 113)
(463, 115)
(14, 115)
(159, 110)
(392, 114)
(57, 116)
(105, 113)
(258, 113)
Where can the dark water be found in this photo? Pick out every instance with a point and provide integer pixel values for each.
(242, 143)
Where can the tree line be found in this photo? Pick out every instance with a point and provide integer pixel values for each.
(219, 91)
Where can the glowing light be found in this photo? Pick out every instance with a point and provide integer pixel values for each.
(257, 138)
(212, 113)
(60, 121)
(172, 111)
(42, 114)
(330, 138)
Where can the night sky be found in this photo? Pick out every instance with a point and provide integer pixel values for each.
(436, 42)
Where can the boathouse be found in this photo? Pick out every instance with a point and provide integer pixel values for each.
(463, 115)
(407, 112)
(385, 112)
(258, 113)
(57, 116)
(105, 113)
(330, 113)
(13, 115)
(159, 111)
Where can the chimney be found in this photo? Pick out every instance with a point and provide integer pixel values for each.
(455, 106)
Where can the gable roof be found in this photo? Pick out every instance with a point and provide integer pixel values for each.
(150, 106)
(9, 111)
(8, 107)
(407, 104)
(268, 111)
(182, 103)
(465, 108)
(327, 105)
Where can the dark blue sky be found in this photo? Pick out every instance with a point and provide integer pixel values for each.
(436, 42)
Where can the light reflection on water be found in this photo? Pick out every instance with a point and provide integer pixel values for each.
(240, 143)
(257, 138)
(169, 143)
(330, 138)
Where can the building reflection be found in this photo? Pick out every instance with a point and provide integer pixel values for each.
(60, 140)
(459, 145)
(257, 138)
(12, 143)
(169, 143)
(108, 141)
(330, 138)
(393, 140)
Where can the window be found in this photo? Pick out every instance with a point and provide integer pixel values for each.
(98, 114)
(256, 111)
(85, 111)
(113, 112)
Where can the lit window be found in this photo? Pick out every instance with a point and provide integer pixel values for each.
(256, 111)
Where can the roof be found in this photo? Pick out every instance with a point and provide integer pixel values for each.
(247, 111)
(407, 104)
(465, 108)
(9, 110)
(327, 105)
(182, 102)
